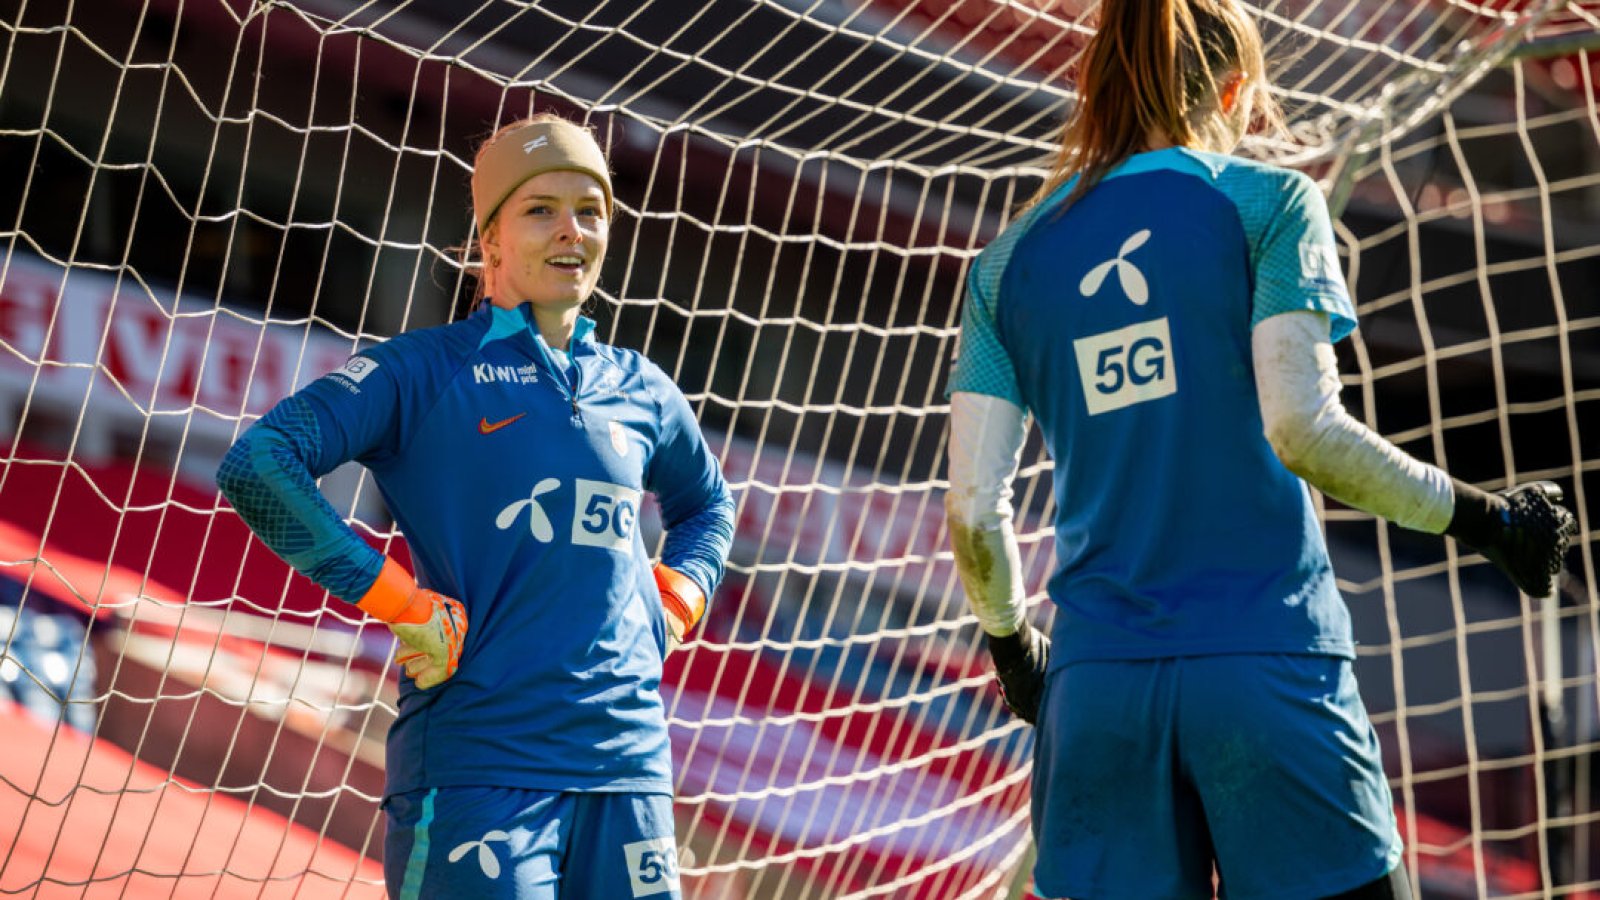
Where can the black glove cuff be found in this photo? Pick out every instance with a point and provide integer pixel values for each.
(1012, 649)
(1479, 516)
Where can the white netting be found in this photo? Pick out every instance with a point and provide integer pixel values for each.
(210, 202)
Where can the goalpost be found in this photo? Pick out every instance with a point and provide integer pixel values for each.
(212, 202)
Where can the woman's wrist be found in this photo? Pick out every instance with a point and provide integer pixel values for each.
(1478, 515)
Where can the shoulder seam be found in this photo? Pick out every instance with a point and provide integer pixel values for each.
(434, 402)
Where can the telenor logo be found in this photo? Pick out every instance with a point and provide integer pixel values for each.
(487, 427)
(538, 523)
(536, 143)
(487, 861)
(1133, 283)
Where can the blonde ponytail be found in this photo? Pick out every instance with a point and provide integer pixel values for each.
(1155, 69)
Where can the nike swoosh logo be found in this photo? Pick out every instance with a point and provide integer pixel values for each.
(487, 427)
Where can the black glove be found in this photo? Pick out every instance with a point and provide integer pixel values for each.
(1522, 530)
(1019, 663)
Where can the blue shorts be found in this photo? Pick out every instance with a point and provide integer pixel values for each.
(1146, 772)
(474, 842)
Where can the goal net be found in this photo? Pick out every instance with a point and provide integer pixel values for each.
(209, 203)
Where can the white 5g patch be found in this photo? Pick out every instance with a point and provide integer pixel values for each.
(604, 515)
(652, 866)
(1127, 366)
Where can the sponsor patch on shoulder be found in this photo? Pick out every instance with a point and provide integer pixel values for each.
(1319, 264)
(356, 368)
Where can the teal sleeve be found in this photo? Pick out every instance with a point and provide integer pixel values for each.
(1292, 250)
(268, 477)
(269, 474)
(982, 365)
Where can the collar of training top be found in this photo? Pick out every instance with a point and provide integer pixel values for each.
(505, 322)
(531, 150)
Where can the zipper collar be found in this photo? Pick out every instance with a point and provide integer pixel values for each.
(582, 333)
(506, 322)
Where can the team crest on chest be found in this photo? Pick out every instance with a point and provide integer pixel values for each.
(619, 438)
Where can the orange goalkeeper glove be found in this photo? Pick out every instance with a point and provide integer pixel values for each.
(683, 601)
(431, 627)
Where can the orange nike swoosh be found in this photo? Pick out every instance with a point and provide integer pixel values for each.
(487, 427)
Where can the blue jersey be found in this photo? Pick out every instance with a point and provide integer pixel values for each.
(1122, 322)
(517, 484)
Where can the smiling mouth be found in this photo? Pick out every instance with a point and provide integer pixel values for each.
(568, 264)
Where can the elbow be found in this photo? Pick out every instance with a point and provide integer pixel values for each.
(240, 472)
(965, 540)
(961, 508)
(1292, 441)
(728, 515)
(235, 471)
(720, 513)
(976, 500)
(712, 508)
(1310, 446)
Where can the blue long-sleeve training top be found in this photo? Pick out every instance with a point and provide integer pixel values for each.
(517, 484)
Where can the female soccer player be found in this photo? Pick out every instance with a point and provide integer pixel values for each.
(1166, 312)
(512, 449)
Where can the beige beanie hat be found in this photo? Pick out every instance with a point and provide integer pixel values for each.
(516, 155)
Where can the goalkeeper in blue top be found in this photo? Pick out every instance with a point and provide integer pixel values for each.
(1166, 312)
(530, 757)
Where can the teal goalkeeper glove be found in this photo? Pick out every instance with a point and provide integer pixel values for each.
(1524, 530)
(431, 627)
(1020, 661)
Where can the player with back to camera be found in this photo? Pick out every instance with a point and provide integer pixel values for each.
(1166, 312)
(512, 449)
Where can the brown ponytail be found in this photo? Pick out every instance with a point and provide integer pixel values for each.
(1155, 68)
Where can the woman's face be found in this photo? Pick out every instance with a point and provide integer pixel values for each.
(547, 242)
